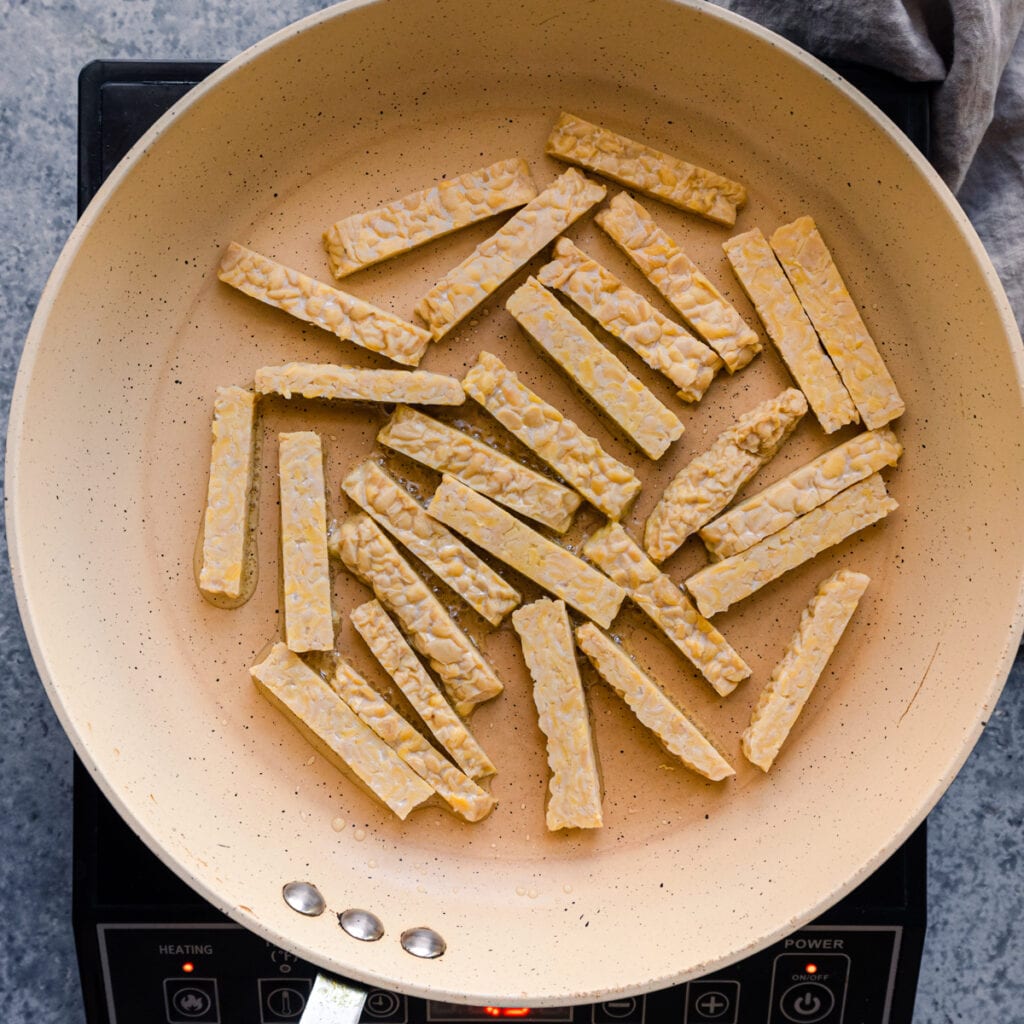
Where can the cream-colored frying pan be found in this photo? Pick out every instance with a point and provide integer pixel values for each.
(108, 457)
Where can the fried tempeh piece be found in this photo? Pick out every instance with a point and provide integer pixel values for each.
(353, 384)
(822, 624)
(499, 532)
(497, 258)
(787, 325)
(816, 280)
(594, 369)
(662, 344)
(804, 489)
(308, 624)
(368, 553)
(397, 658)
(718, 586)
(335, 730)
(613, 551)
(710, 481)
(404, 224)
(350, 318)
(575, 786)
(459, 791)
(481, 467)
(646, 170)
(679, 279)
(609, 485)
(226, 522)
(383, 498)
(651, 705)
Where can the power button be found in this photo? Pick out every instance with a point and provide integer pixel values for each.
(809, 987)
(807, 1003)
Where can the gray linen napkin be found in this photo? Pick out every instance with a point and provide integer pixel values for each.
(974, 50)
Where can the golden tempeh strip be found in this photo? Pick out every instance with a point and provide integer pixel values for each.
(499, 532)
(716, 587)
(679, 279)
(651, 705)
(822, 624)
(662, 344)
(787, 325)
(350, 383)
(226, 520)
(609, 485)
(308, 625)
(397, 658)
(816, 279)
(481, 467)
(350, 318)
(459, 791)
(368, 553)
(613, 551)
(595, 370)
(575, 786)
(396, 227)
(497, 258)
(335, 730)
(382, 497)
(710, 481)
(804, 489)
(646, 170)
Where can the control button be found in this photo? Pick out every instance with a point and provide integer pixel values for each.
(621, 1011)
(384, 1006)
(191, 1001)
(712, 1000)
(283, 999)
(807, 1002)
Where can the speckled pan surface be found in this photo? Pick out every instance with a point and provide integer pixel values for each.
(107, 463)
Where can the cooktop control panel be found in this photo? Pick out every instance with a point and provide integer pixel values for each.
(207, 973)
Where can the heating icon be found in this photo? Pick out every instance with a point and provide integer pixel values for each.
(191, 1001)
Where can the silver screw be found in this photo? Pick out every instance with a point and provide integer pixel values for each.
(361, 924)
(305, 898)
(423, 942)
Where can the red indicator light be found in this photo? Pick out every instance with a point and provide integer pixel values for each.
(188, 967)
(811, 968)
(507, 1011)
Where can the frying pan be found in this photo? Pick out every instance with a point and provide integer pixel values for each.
(108, 451)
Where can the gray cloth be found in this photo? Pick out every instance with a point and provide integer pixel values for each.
(974, 50)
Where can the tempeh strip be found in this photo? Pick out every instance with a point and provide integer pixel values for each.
(575, 786)
(704, 487)
(596, 371)
(823, 293)
(497, 258)
(460, 792)
(613, 551)
(643, 169)
(404, 224)
(226, 522)
(822, 624)
(716, 587)
(679, 279)
(353, 384)
(308, 624)
(335, 730)
(651, 705)
(368, 553)
(787, 325)
(481, 467)
(397, 658)
(383, 498)
(609, 485)
(499, 532)
(350, 318)
(661, 343)
(804, 489)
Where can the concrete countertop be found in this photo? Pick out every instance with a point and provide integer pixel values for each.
(971, 970)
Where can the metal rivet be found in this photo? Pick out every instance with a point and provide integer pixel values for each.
(305, 898)
(361, 924)
(423, 942)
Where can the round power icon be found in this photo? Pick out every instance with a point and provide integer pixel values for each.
(380, 1004)
(807, 1002)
